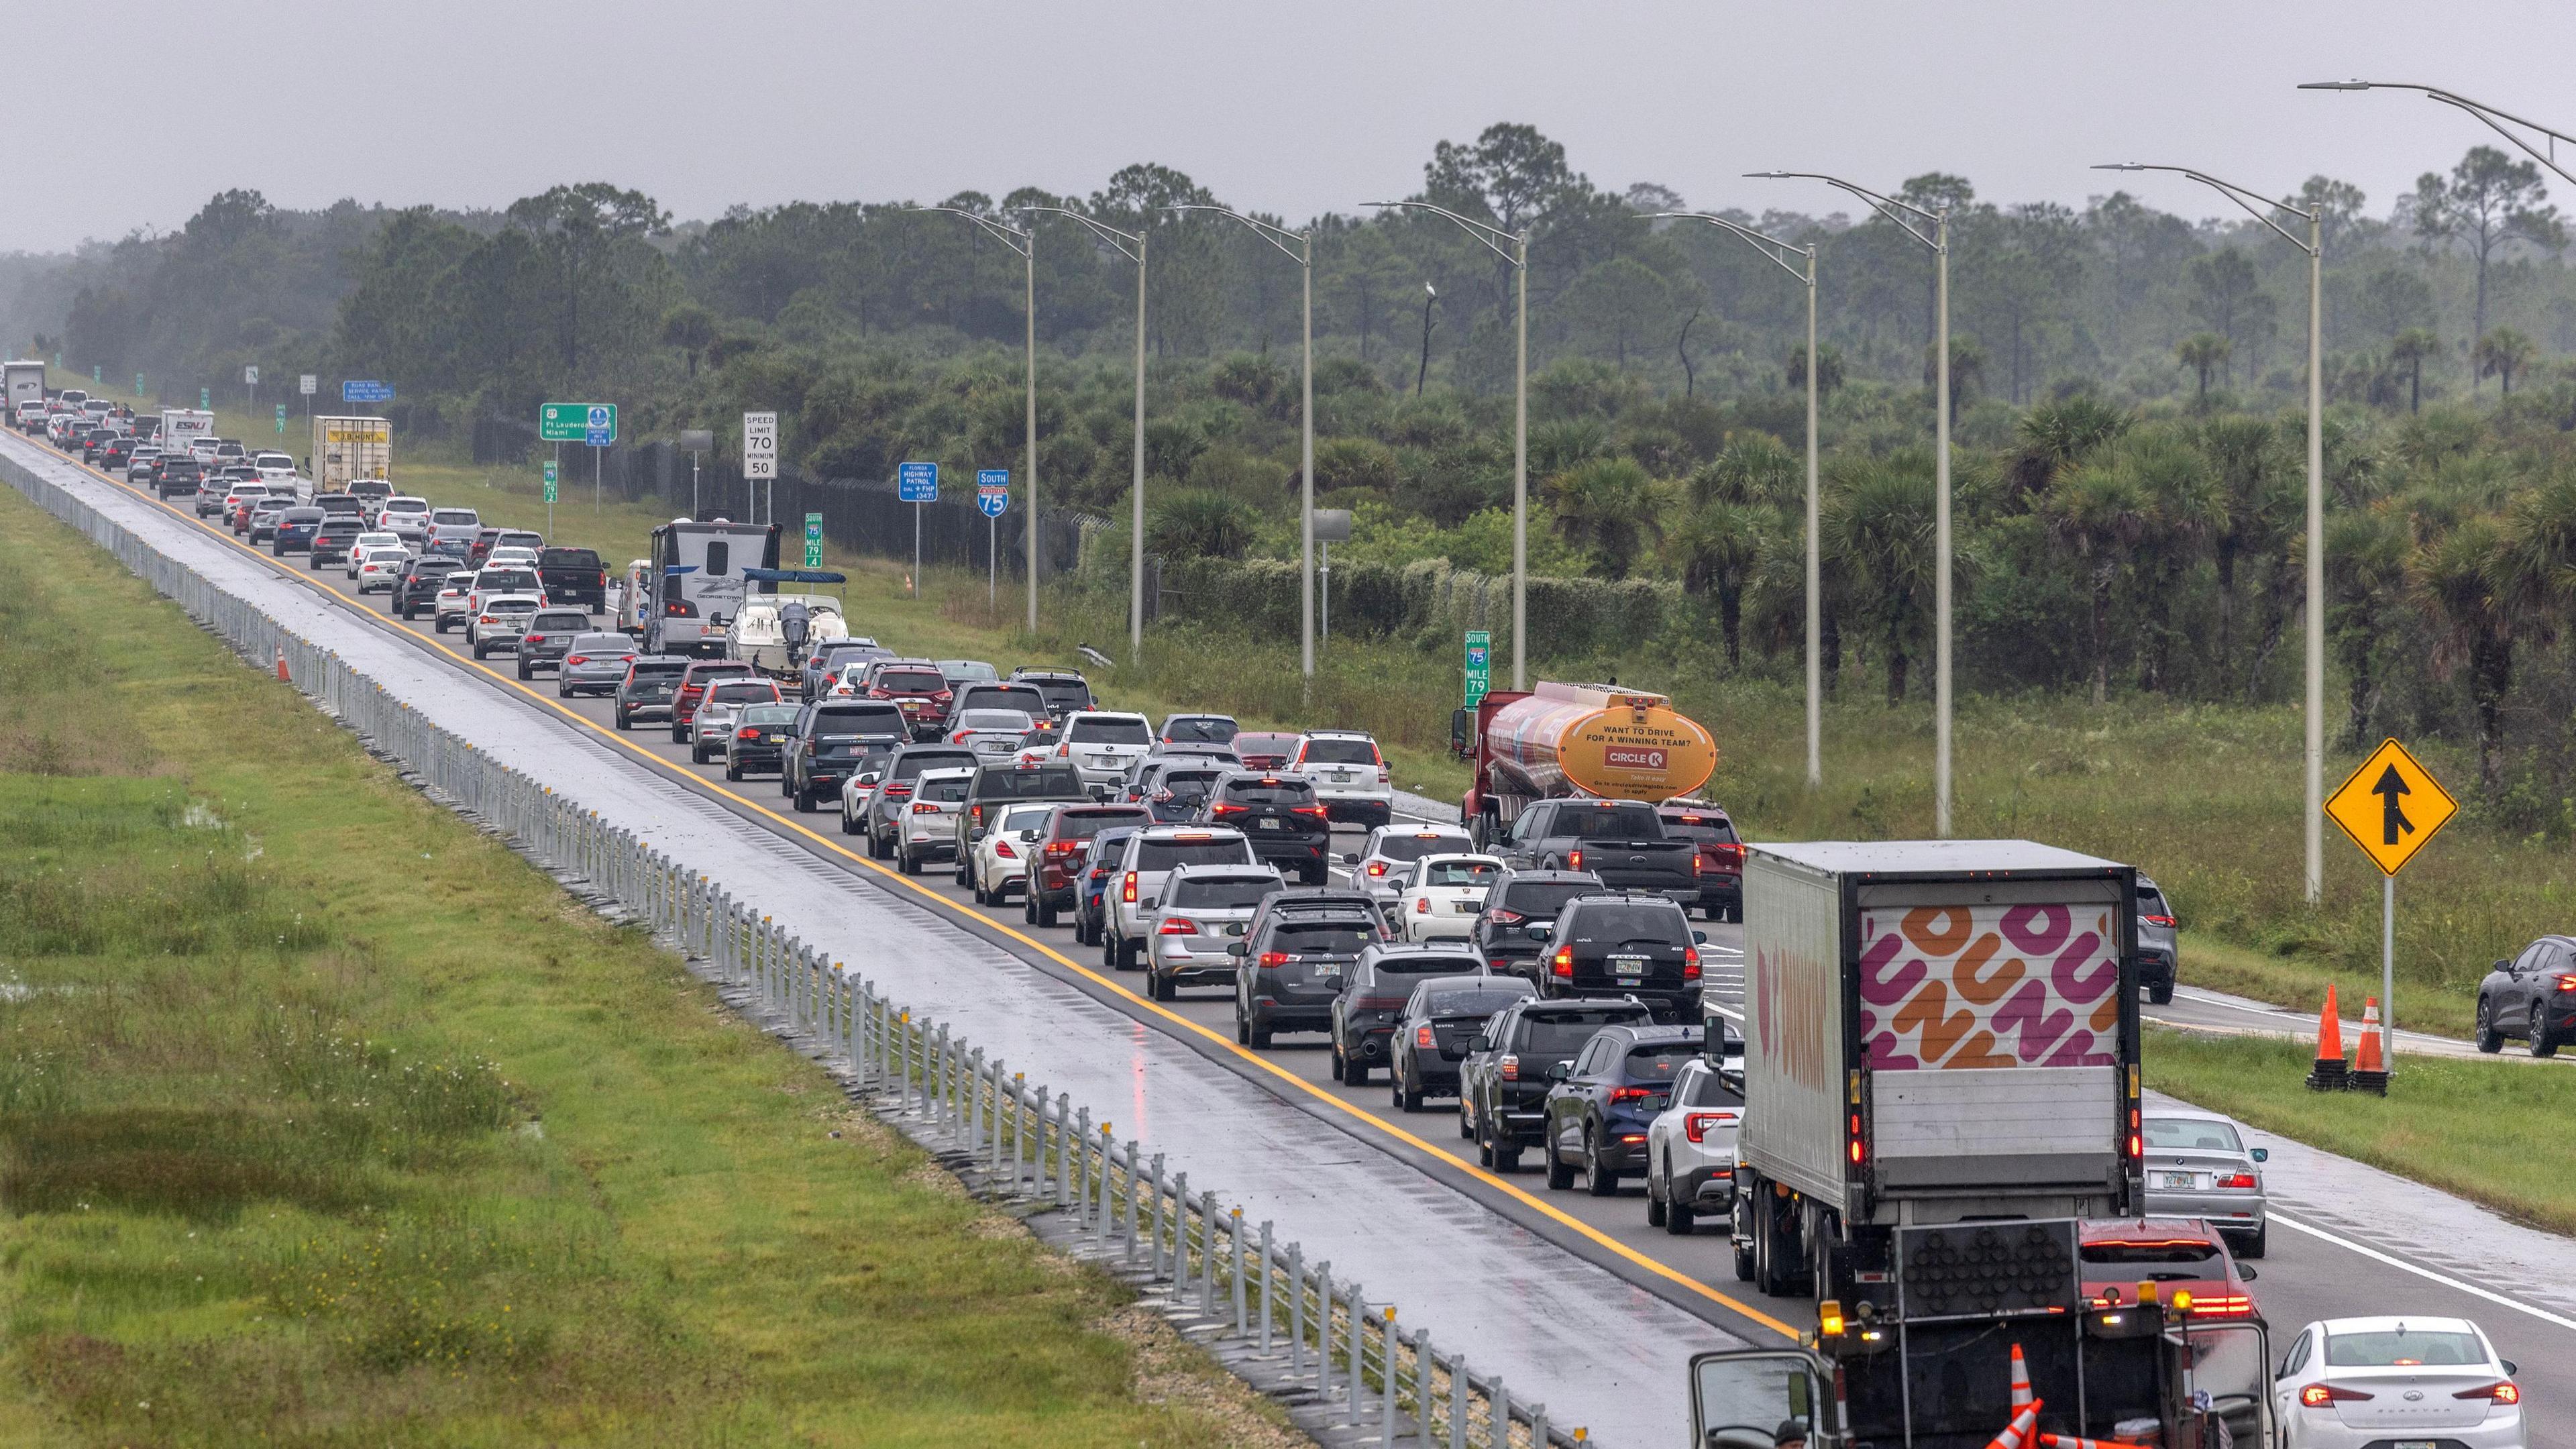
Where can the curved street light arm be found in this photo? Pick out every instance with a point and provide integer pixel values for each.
(2238, 194)
(1262, 229)
(1116, 239)
(2493, 118)
(1011, 236)
(1492, 236)
(1771, 247)
(1886, 206)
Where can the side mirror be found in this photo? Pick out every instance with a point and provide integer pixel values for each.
(974, 833)
(2261, 1154)
(1148, 903)
(1560, 1071)
(1028, 837)
(1236, 948)
(2500, 965)
(1350, 857)
(2246, 1272)
(1699, 938)
(2509, 1366)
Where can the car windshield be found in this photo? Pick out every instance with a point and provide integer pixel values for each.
(1065, 694)
(1565, 1032)
(1413, 845)
(1224, 893)
(2158, 1259)
(1700, 827)
(1659, 1062)
(405, 505)
(1664, 924)
(1462, 872)
(1201, 729)
(945, 790)
(2393, 1348)
(650, 672)
(596, 643)
(1609, 822)
(847, 720)
(1047, 782)
(567, 558)
(1479, 1001)
(1263, 743)
(1268, 791)
(1544, 898)
(968, 669)
(453, 516)
(1008, 721)
(769, 714)
(1189, 784)
(1321, 938)
(2191, 1134)
(1340, 752)
(511, 606)
(1027, 817)
(1108, 732)
(731, 693)
(505, 579)
(1084, 824)
(1409, 963)
(2151, 902)
(910, 681)
(1164, 854)
(1707, 1089)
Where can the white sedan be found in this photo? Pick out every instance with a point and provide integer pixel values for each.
(1440, 900)
(998, 864)
(375, 564)
(2347, 1382)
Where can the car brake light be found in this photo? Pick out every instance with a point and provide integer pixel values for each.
(2317, 1396)
(1315, 810)
(1422, 905)
(2567, 983)
(2503, 1391)
(1510, 1068)
(1377, 867)
(576, 659)
(1505, 916)
(1127, 891)
(1629, 1094)
(2243, 1181)
(2157, 920)
(1001, 848)
(1177, 926)
(1697, 1125)
(1690, 963)
(897, 790)
(1696, 864)
(1562, 963)
(927, 807)
(1574, 858)
(2221, 1305)
(1273, 960)
(748, 732)
(1424, 1036)
(1221, 809)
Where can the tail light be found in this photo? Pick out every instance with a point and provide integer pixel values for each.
(2243, 1181)
(1060, 849)
(1697, 865)
(1382, 776)
(1629, 1094)
(1001, 848)
(1273, 960)
(1422, 905)
(1505, 916)
(2567, 983)
(1698, 1125)
(1690, 963)
(900, 790)
(1127, 890)
(1377, 867)
(2168, 920)
(945, 694)
(958, 738)
(1574, 858)
(925, 807)
(1562, 963)
(1177, 926)
(2503, 1391)
(879, 693)
(487, 619)
(1424, 1036)
(2225, 1305)
(1221, 810)
(2317, 1396)
(576, 659)
(747, 732)
(1509, 1068)
(1315, 810)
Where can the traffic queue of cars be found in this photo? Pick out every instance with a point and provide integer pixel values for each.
(1553, 989)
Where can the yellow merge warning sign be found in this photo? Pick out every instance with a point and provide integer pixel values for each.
(2391, 806)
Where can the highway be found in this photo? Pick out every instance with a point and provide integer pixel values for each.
(2321, 1264)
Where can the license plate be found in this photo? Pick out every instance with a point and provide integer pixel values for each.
(778, 739)
(991, 747)
(1270, 825)
(1328, 973)
(2417, 1443)
(2178, 1180)
(1628, 965)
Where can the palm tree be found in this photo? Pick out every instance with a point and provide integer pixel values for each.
(1200, 523)
(2058, 435)
(1829, 370)
(2365, 588)
(1752, 468)
(1967, 370)
(1880, 523)
(1607, 505)
(2465, 580)
(2502, 353)
(2099, 511)
(2409, 349)
(2204, 353)
(1717, 548)
(2251, 473)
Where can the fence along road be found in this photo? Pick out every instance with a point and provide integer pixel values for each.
(1554, 1324)
(2468, 1253)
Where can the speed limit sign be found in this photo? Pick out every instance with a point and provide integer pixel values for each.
(759, 445)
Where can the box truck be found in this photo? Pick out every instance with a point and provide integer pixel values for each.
(182, 426)
(26, 383)
(348, 449)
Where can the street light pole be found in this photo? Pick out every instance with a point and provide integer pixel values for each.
(1303, 254)
(1119, 242)
(1025, 244)
(1494, 238)
(2313, 828)
(1911, 220)
(1779, 253)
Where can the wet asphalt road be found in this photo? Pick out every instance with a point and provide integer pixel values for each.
(2307, 1275)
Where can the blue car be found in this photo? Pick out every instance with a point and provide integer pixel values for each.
(295, 530)
(1600, 1104)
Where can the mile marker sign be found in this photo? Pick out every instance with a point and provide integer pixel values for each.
(2391, 806)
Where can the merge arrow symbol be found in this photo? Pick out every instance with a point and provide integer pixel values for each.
(2391, 789)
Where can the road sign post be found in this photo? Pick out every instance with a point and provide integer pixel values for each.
(366, 392)
(250, 382)
(1480, 665)
(205, 398)
(918, 485)
(138, 384)
(992, 499)
(759, 460)
(552, 469)
(2391, 807)
(281, 420)
(813, 540)
(305, 386)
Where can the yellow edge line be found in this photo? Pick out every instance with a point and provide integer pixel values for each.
(1209, 1034)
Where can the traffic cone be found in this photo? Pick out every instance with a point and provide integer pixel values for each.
(2018, 1433)
(2069, 1441)
(281, 665)
(2369, 1071)
(2020, 1380)
(2331, 1073)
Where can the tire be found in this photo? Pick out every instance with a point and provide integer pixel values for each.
(806, 804)
(1654, 1205)
(2161, 993)
(1041, 909)
(1340, 1064)
(1405, 1099)
(481, 653)
(1597, 1180)
(733, 772)
(2489, 1039)
(907, 862)
(2253, 1247)
(1743, 1265)
(1261, 1038)
(1314, 874)
(975, 886)
(562, 690)
(1109, 962)
(849, 826)
(1163, 988)
(2542, 1044)
(625, 721)
(697, 753)
(524, 671)
(1242, 1028)
(1355, 1072)
(1127, 951)
(1560, 1176)
(1485, 1153)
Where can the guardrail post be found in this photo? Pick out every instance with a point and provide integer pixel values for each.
(1358, 1374)
(1296, 1310)
(1422, 1361)
(1064, 1150)
(1538, 1425)
(1266, 1277)
(1323, 1331)
(1207, 1254)
(1180, 1233)
(1498, 1402)
(1234, 1268)
(1127, 1200)
(1154, 1257)
(1386, 1347)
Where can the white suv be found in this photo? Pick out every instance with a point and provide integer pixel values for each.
(1132, 902)
(1349, 775)
(926, 826)
(1104, 747)
(1690, 1150)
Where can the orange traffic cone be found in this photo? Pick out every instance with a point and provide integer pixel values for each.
(2019, 1432)
(2020, 1380)
(2369, 1068)
(281, 665)
(2069, 1441)
(2332, 1073)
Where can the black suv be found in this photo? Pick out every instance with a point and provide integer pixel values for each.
(1629, 944)
(1066, 691)
(830, 737)
(1380, 982)
(1439, 1026)
(1600, 1104)
(893, 795)
(1503, 1083)
(332, 539)
(649, 684)
(1289, 965)
(416, 588)
(1517, 901)
(997, 786)
(178, 474)
(1281, 816)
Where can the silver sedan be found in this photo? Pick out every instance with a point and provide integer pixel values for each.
(2198, 1166)
(595, 664)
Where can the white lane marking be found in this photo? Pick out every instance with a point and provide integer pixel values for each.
(2420, 1271)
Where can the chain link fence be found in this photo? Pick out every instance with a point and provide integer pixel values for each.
(1283, 1322)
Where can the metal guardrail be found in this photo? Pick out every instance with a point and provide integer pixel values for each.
(1006, 1137)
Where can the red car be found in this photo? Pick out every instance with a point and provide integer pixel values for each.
(1265, 749)
(1721, 854)
(917, 687)
(693, 687)
(2179, 1255)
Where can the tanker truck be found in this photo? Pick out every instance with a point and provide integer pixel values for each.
(1577, 741)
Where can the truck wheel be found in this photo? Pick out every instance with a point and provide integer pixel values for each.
(1560, 1176)
(1743, 1265)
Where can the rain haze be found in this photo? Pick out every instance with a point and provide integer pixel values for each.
(1292, 110)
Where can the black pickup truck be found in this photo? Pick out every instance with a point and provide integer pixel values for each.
(573, 577)
(1621, 841)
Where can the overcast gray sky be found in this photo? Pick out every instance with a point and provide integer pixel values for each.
(1290, 107)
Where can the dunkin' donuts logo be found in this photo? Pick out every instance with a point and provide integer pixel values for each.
(1633, 757)
(1989, 986)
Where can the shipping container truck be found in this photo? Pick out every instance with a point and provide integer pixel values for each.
(1575, 740)
(348, 449)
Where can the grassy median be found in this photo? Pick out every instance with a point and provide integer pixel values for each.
(325, 1120)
